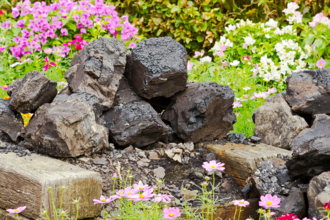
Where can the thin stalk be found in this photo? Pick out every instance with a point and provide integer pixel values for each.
(61, 199)
(185, 204)
(104, 216)
(128, 171)
(113, 187)
(17, 216)
(76, 211)
(213, 186)
(54, 208)
(239, 214)
(144, 212)
(236, 212)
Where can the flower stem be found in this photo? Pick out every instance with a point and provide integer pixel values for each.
(213, 202)
(236, 211)
(76, 211)
(113, 187)
(54, 209)
(239, 214)
(61, 199)
(17, 216)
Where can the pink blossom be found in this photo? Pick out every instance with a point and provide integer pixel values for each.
(246, 96)
(249, 120)
(190, 65)
(131, 45)
(255, 71)
(237, 114)
(118, 195)
(321, 63)
(237, 104)
(162, 198)
(129, 191)
(213, 165)
(20, 23)
(241, 203)
(245, 46)
(222, 48)
(15, 12)
(144, 196)
(48, 50)
(78, 46)
(140, 187)
(225, 64)
(48, 64)
(114, 175)
(17, 210)
(4, 87)
(102, 200)
(269, 201)
(272, 90)
(64, 32)
(171, 213)
(253, 97)
(247, 58)
(261, 95)
(83, 31)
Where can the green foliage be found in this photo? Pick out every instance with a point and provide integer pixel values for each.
(197, 24)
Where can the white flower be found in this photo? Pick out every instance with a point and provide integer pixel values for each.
(249, 40)
(254, 49)
(271, 23)
(292, 6)
(230, 28)
(234, 63)
(206, 59)
(267, 36)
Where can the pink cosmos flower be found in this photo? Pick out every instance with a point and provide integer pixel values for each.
(64, 32)
(269, 201)
(140, 187)
(3, 48)
(70, 43)
(272, 90)
(78, 38)
(249, 120)
(102, 200)
(78, 46)
(162, 198)
(320, 63)
(131, 45)
(197, 54)
(129, 191)
(1, 12)
(48, 50)
(246, 96)
(213, 165)
(83, 31)
(4, 87)
(190, 65)
(17, 210)
(171, 213)
(241, 203)
(237, 104)
(114, 175)
(144, 196)
(222, 48)
(118, 195)
(252, 97)
(261, 95)
(48, 64)
(225, 64)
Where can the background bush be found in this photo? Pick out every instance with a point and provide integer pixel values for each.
(198, 23)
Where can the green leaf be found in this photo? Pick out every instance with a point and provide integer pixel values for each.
(159, 32)
(72, 26)
(309, 39)
(16, 30)
(200, 38)
(319, 44)
(175, 9)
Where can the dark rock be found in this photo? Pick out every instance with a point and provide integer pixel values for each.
(245, 191)
(30, 92)
(255, 139)
(97, 69)
(132, 121)
(318, 193)
(275, 124)
(235, 138)
(210, 156)
(294, 203)
(202, 112)
(65, 91)
(311, 150)
(157, 67)
(11, 123)
(88, 99)
(66, 128)
(308, 91)
(159, 103)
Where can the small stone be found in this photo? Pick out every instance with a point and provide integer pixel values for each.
(129, 149)
(84, 159)
(255, 139)
(100, 161)
(169, 153)
(189, 145)
(141, 153)
(177, 158)
(159, 172)
(177, 150)
(153, 155)
(210, 156)
(142, 163)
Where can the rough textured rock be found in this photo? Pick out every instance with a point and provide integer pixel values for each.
(11, 122)
(294, 203)
(66, 128)
(243, 160)
(132, 121)
(202, 112)
(309, 91)
(318, 193)
(275, 124)
(311, 150)
(97, 69)
(30, 92)
(65, 91)
(157, 67)
(25, 182)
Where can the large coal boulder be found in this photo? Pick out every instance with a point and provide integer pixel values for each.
(132, 121)
(66, 128)
(27, 94)
(157, 67)
(308, 91)
(311, 150)
(97, 69)
(318, 193)
(275, 124)
(202, 112)
(11, 123)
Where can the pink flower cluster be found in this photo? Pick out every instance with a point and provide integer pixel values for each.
(264, 95)
(320, 18)
(199, 54)
(49, 22)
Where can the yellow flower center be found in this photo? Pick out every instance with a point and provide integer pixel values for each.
(213, 166)
(241, 202)
(103, 200)
(69, 44)
(141, 188)
(129, 193)
(269, 203)
(16, 210)
(120, 193)
(141, 196)
(321, 64)
(171, 214)
(46, 63)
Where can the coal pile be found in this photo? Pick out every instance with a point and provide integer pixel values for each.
(107, 101)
